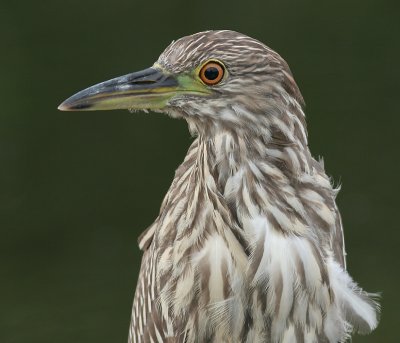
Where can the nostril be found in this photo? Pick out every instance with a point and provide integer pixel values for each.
(146, 81)
(142, 82)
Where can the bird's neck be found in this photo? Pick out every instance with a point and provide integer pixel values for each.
(230, 169)
(233, 153)
(234, 175)
(272, 132)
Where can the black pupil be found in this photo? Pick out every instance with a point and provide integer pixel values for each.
(211, 73)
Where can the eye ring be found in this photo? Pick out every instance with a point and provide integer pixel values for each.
(212, 73)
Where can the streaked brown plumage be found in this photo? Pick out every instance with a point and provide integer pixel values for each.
(248, 245)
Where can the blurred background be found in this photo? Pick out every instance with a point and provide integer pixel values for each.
(77, 189)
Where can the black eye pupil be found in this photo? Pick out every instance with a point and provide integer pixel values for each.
(211, 73)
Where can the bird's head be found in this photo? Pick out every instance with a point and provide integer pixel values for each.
(212, 79)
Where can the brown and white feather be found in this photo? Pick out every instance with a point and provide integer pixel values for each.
(248, 245)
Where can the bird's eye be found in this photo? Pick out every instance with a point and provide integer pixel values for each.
(211, 73)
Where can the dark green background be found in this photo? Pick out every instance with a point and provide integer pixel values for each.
(76, 189)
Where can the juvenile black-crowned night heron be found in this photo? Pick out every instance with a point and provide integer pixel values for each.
(248, 245)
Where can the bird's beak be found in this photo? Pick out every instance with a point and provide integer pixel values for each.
(147, 89)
